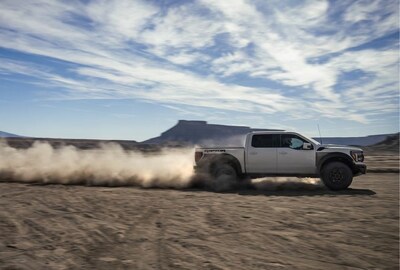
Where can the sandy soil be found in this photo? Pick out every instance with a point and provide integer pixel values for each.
(77, 227)
(382, 162)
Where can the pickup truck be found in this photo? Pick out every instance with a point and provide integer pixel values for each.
(283, 153)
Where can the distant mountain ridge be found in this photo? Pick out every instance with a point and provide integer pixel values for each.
(360, 141)
(391, 143)
(7, 135)
(202, 133)
(187, 132)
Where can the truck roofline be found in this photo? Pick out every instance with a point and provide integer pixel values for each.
(271, 132)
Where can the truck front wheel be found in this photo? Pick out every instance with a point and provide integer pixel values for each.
(336, 175)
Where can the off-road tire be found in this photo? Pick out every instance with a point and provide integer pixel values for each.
(336, 175)
(224, 177)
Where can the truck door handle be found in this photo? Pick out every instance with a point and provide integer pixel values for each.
(253, 153)
(283, 153)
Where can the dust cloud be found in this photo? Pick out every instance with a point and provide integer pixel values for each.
(224, 183)
(109, 165)
(287, 183)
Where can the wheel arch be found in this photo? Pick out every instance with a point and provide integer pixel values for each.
(225, 159)
(336, 157)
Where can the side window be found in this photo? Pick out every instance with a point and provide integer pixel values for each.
(292, 141)
(265, 140)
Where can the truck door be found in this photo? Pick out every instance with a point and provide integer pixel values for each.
(261, 153)
(292, 158)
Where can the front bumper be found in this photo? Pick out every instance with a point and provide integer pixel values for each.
(360, 169)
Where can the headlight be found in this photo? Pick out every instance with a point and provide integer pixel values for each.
(358, 156)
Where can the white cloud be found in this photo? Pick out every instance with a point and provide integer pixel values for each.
(123, 18)
(362, 10)
(186, 53)
(181, 29)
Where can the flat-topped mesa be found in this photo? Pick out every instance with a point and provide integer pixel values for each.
(193, 132)
(196, 131)
(197, 122)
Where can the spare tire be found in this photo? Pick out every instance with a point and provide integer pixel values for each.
(336, 175)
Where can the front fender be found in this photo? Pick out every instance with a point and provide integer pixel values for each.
(322, 159)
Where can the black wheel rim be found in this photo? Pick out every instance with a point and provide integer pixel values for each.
(336, 175)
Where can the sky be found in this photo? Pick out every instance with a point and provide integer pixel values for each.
(130, 69)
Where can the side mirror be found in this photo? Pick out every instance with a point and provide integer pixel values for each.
(307, 146)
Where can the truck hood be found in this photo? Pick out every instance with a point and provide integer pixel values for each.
(336, 146)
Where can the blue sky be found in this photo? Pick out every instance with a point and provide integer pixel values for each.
(129, 69)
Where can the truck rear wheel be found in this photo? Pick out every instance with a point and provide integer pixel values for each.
(336, 175)
(225, 177)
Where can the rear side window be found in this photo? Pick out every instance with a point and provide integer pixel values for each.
(265, 141)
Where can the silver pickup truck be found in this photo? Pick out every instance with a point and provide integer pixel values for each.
(282, 153)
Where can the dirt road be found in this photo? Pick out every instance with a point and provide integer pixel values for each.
(77, 227)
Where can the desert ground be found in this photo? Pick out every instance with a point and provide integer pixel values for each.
(290, 226)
